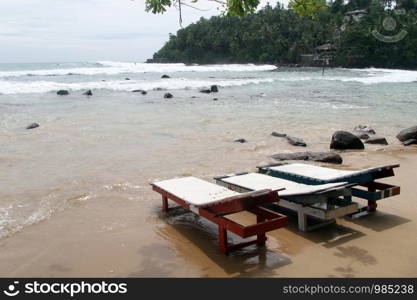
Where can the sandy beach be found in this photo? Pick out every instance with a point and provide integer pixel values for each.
(106, 237)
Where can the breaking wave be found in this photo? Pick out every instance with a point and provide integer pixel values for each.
(114, 68)
(18, 87)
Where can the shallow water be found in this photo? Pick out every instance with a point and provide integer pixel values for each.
(111, 145)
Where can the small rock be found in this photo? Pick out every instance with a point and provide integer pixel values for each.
(214, 89)
(88, 93)
(127, 78)
(62, 92)
(165, 76)
(32, 126)
(295, 141)
(168, 96)
(277, 134)
(240, 141)
(193, 97)
(410, 142)
(362, 136)
(343, 140)
(407, 134)
(291, 156)
(364, 129)
(215, 99)
(206, 91)
(326, 157)
(140, 91)
(377, 140)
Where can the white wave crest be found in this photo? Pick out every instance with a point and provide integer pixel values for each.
(18, 87)
(374, 76)
(114, 68)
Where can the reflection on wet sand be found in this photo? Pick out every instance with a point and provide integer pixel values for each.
(195, 239)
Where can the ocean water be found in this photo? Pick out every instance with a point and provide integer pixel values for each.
(91, 149)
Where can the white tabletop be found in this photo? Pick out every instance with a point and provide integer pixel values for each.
(257, 181)
(195, 191)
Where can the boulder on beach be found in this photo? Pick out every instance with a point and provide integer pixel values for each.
(206, 91)
(62, 92)
(240, 141)
(326, 157)
(165, 76)
(407, 134)
(214, 89)
(343, 140)
(410, 142)
(168, 96)
(377, 140)
(295, 141)
(88, 93)
(32, 126)
(277, 134)
(364, 129)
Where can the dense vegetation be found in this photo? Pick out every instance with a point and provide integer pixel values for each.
(279, 35)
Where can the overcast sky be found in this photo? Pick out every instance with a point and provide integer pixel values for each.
(88, 30)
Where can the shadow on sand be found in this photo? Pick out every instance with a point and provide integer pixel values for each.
(379, 221)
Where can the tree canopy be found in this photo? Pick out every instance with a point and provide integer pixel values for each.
(280, 36)
(232, 7)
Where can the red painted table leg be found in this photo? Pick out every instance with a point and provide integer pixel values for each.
(223, 239)
(261, 237)
(164, 204)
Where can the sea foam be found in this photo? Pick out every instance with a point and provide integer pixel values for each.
(114, 68)
(22, 87)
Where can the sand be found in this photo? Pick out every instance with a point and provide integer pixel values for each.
(110, 236)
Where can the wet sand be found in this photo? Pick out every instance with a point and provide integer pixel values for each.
(123, 233)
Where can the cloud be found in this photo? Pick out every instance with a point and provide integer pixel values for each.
(87, 30)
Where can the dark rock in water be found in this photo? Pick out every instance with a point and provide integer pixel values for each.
(88, 93)
(410, 142)
(62, 92)
(364, 129)
(214, 89)
(377, 140)
(32, 126)
(140, 91)
(215, 99)
(206, 91)
(240, 141)
(326, 157)
(127, 78)
(362, 136)
(168, 96)
(194, 97)
(343, 140)
(165, 76)
(277, 134)
(407, 134)
(295, 141)
(291, 156)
